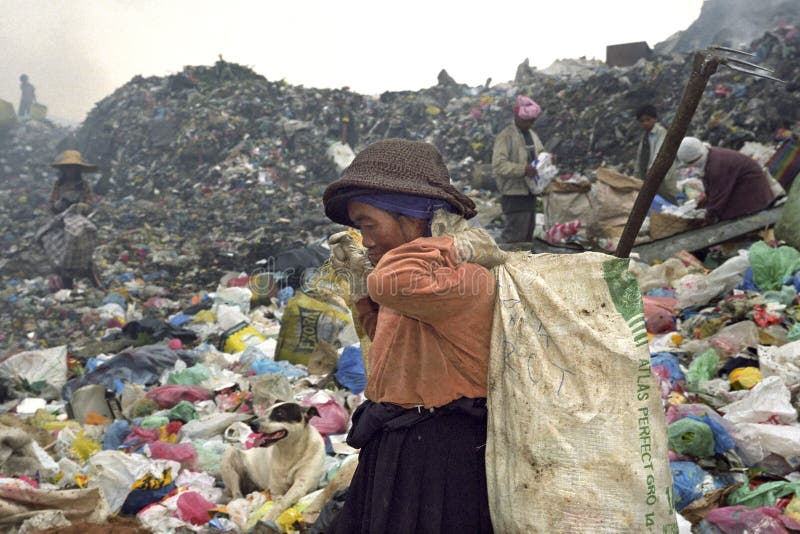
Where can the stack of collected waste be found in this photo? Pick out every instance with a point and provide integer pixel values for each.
(725, 347)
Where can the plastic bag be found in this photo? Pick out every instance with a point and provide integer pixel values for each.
(756, 441)
(766, 494)
(782, 362)
(545, 172)
(659, 317)
(741, 519)
(350, 370)
(691, 437)
(727, 342)
(183, 453)
(169, 396)
(772, 265)
(211, 425)
(193, 508)
(660, 275)
(769, 401)
(690, 482)
(40, 372)
(332, 417)
(209, 455)
(184, 412)
(192, 376)
(703, 368)
(114, 473)
(788, 226)
(694, 289)
(306, 320)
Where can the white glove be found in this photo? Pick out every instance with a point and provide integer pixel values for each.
(473, 245)
(351, 263)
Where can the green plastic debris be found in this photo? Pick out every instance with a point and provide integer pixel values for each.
(794, 333)
(785, 296)
(691, 437)
(209, 455)
(702, 369)
(192, 376)
(154, 421)
(772, 265)
(766, 494)
(183, 411)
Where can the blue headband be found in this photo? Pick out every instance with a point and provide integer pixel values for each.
(408, 205)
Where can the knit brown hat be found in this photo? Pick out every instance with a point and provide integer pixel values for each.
(395, 166)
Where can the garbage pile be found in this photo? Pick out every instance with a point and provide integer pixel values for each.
(26, 150)
(229, 127)
(136, 423)
(123, 400)
(725, 345)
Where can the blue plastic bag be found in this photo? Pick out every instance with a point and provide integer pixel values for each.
(350, 370)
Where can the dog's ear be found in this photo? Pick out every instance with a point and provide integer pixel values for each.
(311, 411)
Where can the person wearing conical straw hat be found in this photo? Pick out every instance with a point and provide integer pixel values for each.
(70, 186)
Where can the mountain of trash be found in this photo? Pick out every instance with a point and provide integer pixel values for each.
(221, 152)
(730, 23)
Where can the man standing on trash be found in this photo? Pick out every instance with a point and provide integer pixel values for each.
(735, 185)
(514, 152)
(653, 135)
(423, 293)
(27, 98)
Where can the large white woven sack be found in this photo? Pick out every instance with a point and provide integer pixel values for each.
(577, 438)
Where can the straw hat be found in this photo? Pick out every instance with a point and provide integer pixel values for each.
(395, 166)
(73, 157)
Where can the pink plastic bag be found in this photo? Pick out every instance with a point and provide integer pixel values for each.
(185, 453)
(138, 436)
(193, 508)
(658, 314)
(169, 396)
(332, 417)
(741, 519)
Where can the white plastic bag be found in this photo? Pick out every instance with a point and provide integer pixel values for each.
(769, 401)
(756, 441)
(545, 172)
(781, 361)
(694, 289)
(47, 367)
(659, 275)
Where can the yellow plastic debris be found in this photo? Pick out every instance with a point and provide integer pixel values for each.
(83, 447)
(288, 519)
(793, 509)
(745, 377)
(205, 316)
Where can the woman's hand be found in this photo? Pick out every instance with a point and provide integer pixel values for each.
(351, 263)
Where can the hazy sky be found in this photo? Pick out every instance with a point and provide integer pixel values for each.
(78, 51)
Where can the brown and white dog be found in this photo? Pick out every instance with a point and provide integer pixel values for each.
(289, 462)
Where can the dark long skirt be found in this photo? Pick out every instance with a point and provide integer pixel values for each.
(418, 472)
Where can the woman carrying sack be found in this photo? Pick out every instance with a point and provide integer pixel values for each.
(70, 238)
(427, 307)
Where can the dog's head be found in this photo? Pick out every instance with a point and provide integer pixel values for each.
(282, 420)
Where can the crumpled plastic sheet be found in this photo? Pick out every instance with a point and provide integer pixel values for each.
(143, 365)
